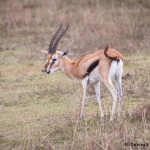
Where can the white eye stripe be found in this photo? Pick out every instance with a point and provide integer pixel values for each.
(52, 62)
(54, 59)
(54, 56)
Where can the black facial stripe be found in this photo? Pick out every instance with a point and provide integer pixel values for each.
(91, 68)
(53, 61)
(51, 64)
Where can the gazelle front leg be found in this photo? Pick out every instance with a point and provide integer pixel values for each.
(84, 88)
(97, 91)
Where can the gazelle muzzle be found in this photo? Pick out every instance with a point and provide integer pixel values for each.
(48, 71)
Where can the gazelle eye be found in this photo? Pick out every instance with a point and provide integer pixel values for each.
(54, 59)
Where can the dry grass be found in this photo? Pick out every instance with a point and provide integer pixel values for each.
(41, 112)
(31, 23)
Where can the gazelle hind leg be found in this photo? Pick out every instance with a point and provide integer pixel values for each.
(112, 90)
(107, 70)
(120, 95)
(97, 92)
(119, 86)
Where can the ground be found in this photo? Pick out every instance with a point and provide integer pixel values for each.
(40, 111)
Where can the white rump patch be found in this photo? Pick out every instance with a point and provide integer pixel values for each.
(116, 68)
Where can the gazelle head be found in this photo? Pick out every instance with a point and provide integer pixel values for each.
(54, 57)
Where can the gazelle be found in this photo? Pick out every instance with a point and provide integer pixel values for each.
(100, 66)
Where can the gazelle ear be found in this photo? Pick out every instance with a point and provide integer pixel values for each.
(44, 51)
(64, 53)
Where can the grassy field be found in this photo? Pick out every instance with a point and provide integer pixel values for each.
(40, 111)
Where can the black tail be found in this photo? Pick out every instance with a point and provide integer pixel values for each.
(111, 58)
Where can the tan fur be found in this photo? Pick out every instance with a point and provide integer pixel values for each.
(77, 69)
(48, 61)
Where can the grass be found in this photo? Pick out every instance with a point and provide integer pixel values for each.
(38, 111)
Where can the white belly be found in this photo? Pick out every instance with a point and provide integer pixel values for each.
(94, 76)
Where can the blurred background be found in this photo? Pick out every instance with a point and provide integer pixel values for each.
(30, 24)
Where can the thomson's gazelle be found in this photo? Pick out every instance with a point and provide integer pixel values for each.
(100, 66)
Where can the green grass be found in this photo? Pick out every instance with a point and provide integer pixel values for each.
(40, 111)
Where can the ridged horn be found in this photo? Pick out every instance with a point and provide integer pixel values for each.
(53, 39)
(58, 39)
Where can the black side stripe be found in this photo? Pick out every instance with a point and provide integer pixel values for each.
(91, 68)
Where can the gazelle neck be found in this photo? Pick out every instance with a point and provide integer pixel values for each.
(67, 66)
